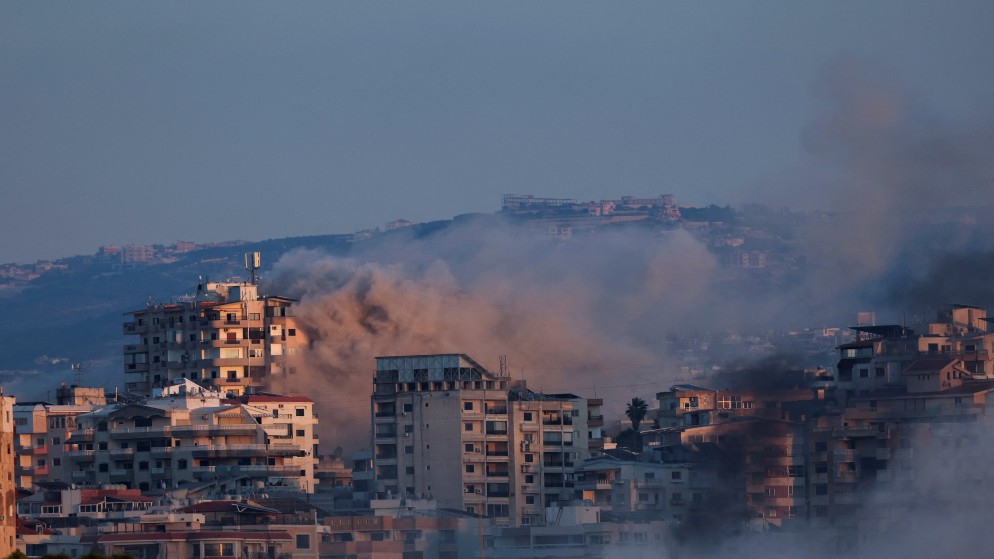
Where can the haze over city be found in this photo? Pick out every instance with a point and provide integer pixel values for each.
(133, 123)
(587, 280)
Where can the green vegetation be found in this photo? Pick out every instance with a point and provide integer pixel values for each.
(636, 412)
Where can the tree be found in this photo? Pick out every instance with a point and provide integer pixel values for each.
(636, 412)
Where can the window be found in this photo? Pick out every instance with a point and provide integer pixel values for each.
(409, 449)
(529, 457)
(467, 427)
(470, 468)
(468, 447)
(408, 407)
(676, 475)
(498, 511)
(467, 406)
(300, 432)
(528, 416)
(181, 464)
(300, 412)
(291, 332)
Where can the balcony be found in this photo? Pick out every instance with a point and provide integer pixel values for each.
(83, 475)
(246, 450)
(131, 328)
(121, 453)
(598, 485)
(854, 432)
(81, 455)
(121, 475)
(38, 450)
(844, 454)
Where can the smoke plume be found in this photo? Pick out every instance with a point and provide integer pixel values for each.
(569, 316)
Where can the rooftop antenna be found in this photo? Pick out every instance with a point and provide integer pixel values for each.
(77, 373)
(502, 359)
(253, 261)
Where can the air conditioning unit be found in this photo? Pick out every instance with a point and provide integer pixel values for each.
(479, 492)
(407, 434)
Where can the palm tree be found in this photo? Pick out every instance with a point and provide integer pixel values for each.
(636, 412)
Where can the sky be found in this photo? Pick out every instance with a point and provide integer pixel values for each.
(151, 122)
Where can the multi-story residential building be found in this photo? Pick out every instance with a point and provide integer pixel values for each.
(629, 488)
(43, 430)
(412, 528)
(258, 534)
(229, 337)
(187, 433)
(8, 501)
(444, 427)
(963, 332)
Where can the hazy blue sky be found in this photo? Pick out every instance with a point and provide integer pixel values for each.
(140, 122)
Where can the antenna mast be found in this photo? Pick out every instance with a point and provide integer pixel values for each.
(77, 373)
(253, 261)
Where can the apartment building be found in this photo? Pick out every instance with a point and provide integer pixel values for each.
(260, 535)
(187, 434)
(228, 337)
(628, 488)
(446, 428)
(411, 528)
(43, 430)
(8, 512)
(963, 332)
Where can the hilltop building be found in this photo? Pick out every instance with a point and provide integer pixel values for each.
(446, 428)
(229, 337)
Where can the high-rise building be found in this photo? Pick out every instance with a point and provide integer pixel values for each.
(229, 337)
(8, 514)
(446, 428)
